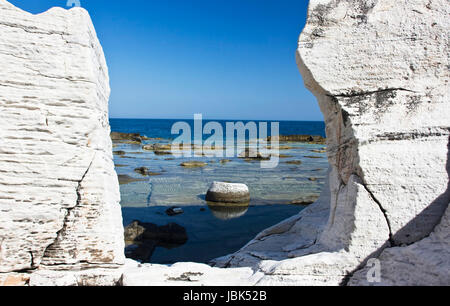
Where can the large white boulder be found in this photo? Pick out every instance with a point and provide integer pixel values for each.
(59, 193)
(228, 193)
(379, 70)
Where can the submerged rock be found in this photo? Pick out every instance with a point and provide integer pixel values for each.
(299, 138)
(126, 179)
(157, 147)
(162, 152)
(119, 153)
(193, 164)
(141, 238)
(284, 156)
(280, 148)
(139, 231)
(252, 154)
(294, 162)
(142, 171)
(132, 138)
(146, 172)
(228, 193)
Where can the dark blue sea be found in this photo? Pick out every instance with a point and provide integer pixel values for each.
(161, 128)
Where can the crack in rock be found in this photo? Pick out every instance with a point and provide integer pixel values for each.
(69, 210)
(391, 236)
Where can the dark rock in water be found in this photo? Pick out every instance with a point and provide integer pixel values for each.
(144, 171)
(222, 192)
(229, 211)
(121, 153)
(193, 164)
(141, 239)
(162, 153)
(126, 156)
(126, 179)
(225, 161)
(299, 138)
(306, 200)
(284, 156)
(294, 162)
(157, 147)
(139, 231)
(132, 138)
(313, 179)
(174, 211)
(252, 154)
(313, 157)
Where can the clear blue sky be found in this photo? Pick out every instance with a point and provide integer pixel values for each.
(227, 59)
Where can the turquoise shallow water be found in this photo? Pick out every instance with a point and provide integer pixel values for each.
(214, 232)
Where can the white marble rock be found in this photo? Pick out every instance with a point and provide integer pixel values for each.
(228, 193)
(379, 70)
(59, 193)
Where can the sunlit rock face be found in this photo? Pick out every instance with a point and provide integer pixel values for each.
(59, 193)
(380, 72)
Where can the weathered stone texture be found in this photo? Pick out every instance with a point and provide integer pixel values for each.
(380, 71)
(59, 193)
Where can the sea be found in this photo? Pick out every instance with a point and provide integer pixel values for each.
(204, 231)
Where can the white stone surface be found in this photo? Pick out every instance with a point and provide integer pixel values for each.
(188, 274)
(88, 277)
(228, 192)
(379, 70)
(230, 188)
(424, 263)
(59, 193)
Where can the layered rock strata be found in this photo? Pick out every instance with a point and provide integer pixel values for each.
(380, 71)
(59, 193)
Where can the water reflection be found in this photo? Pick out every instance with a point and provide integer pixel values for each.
(228, 211)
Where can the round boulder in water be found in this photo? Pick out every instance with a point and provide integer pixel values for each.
(228, 193)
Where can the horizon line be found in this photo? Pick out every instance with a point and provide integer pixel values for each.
(211, 119)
